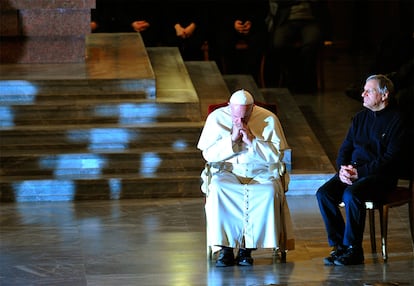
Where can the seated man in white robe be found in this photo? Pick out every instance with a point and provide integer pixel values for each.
(245, 181)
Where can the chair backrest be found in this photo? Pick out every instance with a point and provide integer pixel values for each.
(269, 106)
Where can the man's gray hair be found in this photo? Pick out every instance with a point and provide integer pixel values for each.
(384, 83)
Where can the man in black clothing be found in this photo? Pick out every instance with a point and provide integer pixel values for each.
(368, 162)
(184, 27)
(297, 30)
(238, 35)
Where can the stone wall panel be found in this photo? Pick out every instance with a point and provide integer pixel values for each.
(9, 23)
(63, 22)
(43, 50)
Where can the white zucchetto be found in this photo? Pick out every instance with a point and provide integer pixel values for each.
(242, 97)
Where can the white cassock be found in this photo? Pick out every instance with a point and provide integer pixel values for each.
(246, 204)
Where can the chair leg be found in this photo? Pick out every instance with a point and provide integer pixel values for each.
(283, 256)
(371, 217)
(283, 240)
(411, 218)
(384, 231)
(280, 253)
(209, 250)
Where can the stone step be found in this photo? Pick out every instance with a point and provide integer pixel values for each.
(123, 187)
(104, 137)
(241, 81)
(80, 165)
(209, 84)
(98, 112)
(308, 155)
(101, 144)
(173, 82)
(306, 184)
(116, 63)
(120, 146)
(82, 94)
(161, 158)
(61, 91)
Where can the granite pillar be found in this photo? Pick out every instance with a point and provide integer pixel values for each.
(44, 31)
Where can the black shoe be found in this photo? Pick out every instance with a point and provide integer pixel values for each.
(244, 257)
(226, 257)
(336, 252)
(352, 256)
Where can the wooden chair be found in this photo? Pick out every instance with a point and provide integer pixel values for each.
(403, 194)
(273, 108)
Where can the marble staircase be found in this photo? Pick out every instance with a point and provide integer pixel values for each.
(124, 124)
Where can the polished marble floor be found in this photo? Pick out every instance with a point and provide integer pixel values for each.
(162, 242)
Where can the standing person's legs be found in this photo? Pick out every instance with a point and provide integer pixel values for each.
(224, 46)
(256, 49)
(311, 43)
(279, 55)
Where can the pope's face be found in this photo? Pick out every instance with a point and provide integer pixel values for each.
(240, 113)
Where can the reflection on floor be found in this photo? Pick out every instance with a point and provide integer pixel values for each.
(162, 242)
